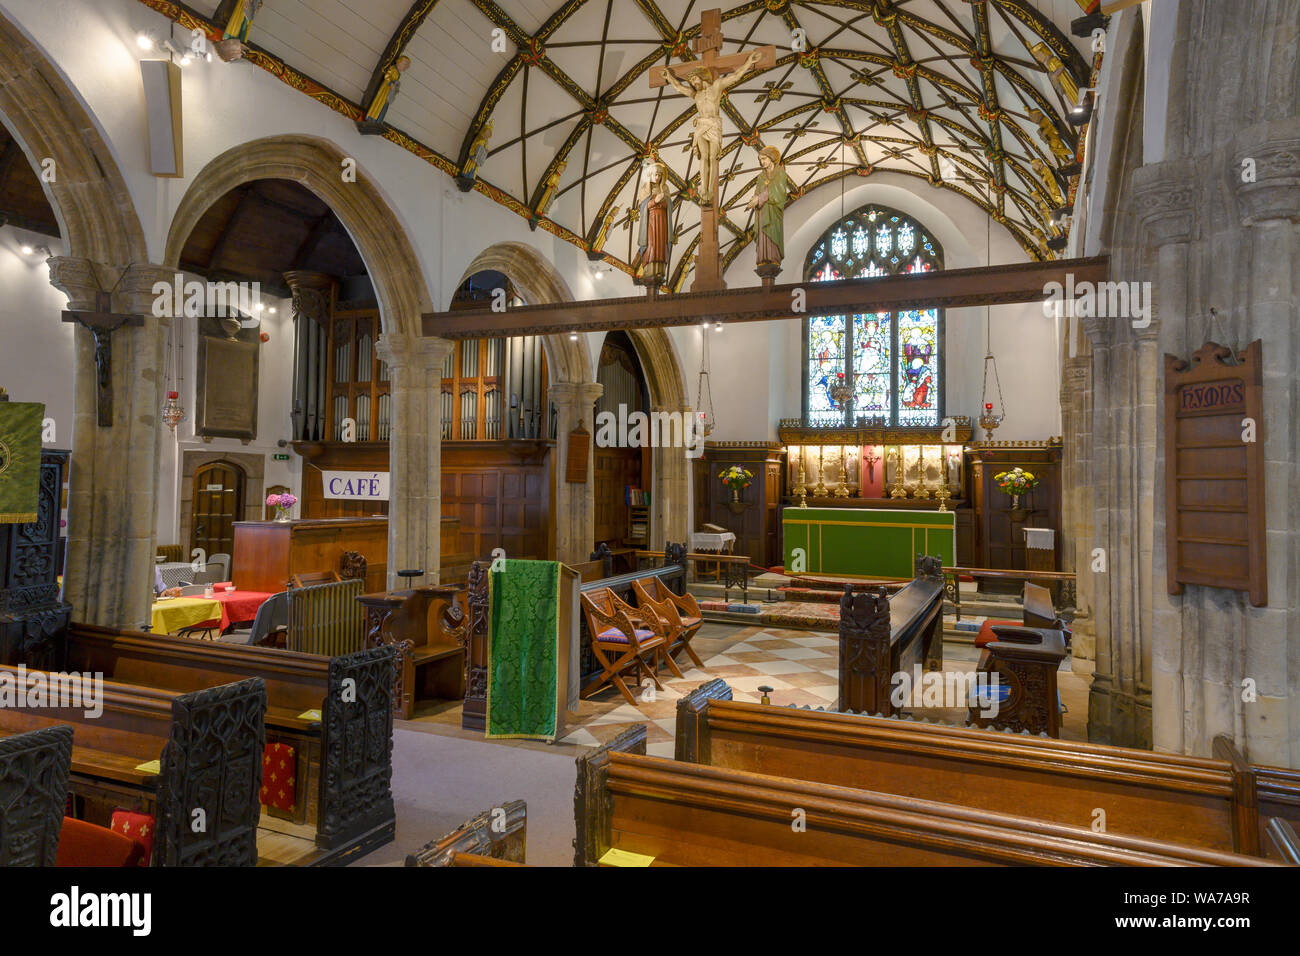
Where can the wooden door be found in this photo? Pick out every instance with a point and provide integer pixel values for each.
(218, 502)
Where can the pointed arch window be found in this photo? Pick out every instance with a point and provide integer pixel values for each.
(878, 367)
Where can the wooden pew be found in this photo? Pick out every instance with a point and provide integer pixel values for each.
(496, 837)
(426, 625)
(1276, 791)
(34, 771)
(1187, 800)
(693, 815)
(209, 744)
(473, 717)
(882, 635)
(296, 683)
(1024, 662)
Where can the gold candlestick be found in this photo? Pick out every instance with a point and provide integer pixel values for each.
(820, 491)
(843, 490)
(921, 490)
(801, 488)
(943, 496)
(898, 491)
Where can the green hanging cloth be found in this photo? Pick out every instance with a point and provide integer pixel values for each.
(524, 630)
(20, 460)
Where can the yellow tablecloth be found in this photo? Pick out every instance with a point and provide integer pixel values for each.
(171, 615)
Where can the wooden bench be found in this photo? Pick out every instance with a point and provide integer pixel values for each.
(209, 745)
(1187, 800)
(426, 625)
(694, 815)
(34, 771)
(1021, 662)
(496, 837)
(881, 636)
(296, 684)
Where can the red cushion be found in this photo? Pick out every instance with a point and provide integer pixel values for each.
(614, 636)
(279, 777)
(139, 827)
(986, 635)
(84, 844)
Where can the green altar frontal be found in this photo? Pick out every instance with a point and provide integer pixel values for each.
(867, 543)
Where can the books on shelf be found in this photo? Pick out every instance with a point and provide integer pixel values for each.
(636, 498)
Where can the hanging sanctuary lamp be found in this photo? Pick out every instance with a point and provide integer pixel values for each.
(703, 393)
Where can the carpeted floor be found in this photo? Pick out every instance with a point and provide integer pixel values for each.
(439, 782)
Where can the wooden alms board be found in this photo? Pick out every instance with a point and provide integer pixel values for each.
(1214, 476)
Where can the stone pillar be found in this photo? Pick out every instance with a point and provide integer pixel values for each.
(575, 504)
(114, 474)
(310, 303)
(670, 503)
(414, 452)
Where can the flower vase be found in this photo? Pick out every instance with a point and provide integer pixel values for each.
(736, 504)
(281, 513)
(1018, 513)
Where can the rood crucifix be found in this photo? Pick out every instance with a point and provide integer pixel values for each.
(706, 80)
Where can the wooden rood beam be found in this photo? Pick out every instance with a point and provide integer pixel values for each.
(953, 288)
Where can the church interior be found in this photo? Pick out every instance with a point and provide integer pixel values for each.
(569, 433)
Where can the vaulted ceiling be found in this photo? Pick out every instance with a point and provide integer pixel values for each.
(937, 89)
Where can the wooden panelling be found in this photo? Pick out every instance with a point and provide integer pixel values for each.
(1000, 537)
(616, 468)
(757, 525)
(500, 491)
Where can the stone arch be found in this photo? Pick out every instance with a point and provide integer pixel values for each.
(110, 541)
(671, 483)
(367, 216)
(539, 282)
(89, 195)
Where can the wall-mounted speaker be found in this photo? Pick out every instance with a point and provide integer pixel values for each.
(162, 100)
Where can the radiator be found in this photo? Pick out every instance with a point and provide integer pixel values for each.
(326, 618)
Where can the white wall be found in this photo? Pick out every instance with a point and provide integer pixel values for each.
(755, 366)
(36, 346)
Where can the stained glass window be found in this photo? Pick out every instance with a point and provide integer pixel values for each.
(894, 373)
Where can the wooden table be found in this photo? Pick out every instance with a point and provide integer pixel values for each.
(174, 614)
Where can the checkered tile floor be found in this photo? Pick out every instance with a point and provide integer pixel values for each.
(800, 666)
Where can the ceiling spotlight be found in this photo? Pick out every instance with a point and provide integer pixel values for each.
(1080, 113)
(259, 307)
(573, 336)
(185, 60)
(272, 310)
(717, 326)
(144, 41)
(28, 250)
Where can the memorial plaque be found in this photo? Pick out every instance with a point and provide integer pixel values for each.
(1214, 471)
(227, 381)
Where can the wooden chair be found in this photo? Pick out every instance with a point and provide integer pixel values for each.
(618, 643)
(679, 609)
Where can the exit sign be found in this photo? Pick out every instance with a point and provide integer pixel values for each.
(278, 457)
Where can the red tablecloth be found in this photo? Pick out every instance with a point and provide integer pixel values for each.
(237, 607)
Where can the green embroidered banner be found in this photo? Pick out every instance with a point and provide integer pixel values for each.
(20, 460)
(523, 671)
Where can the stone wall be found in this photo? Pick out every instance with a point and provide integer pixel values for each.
(1209, 231)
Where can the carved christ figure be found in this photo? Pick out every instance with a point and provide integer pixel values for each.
(707, 94)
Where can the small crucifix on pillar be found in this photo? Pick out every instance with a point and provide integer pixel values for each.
(705, 81)
(102, 323)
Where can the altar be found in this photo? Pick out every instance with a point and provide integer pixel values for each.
(865, 542)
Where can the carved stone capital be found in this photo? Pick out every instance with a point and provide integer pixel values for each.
(82, 280)
(576, 395)
(311, 293)
(416, 353)
(76, 278)
(1268, 187)
(1163, 198)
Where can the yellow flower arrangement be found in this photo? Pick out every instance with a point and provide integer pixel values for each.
(736, 477)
